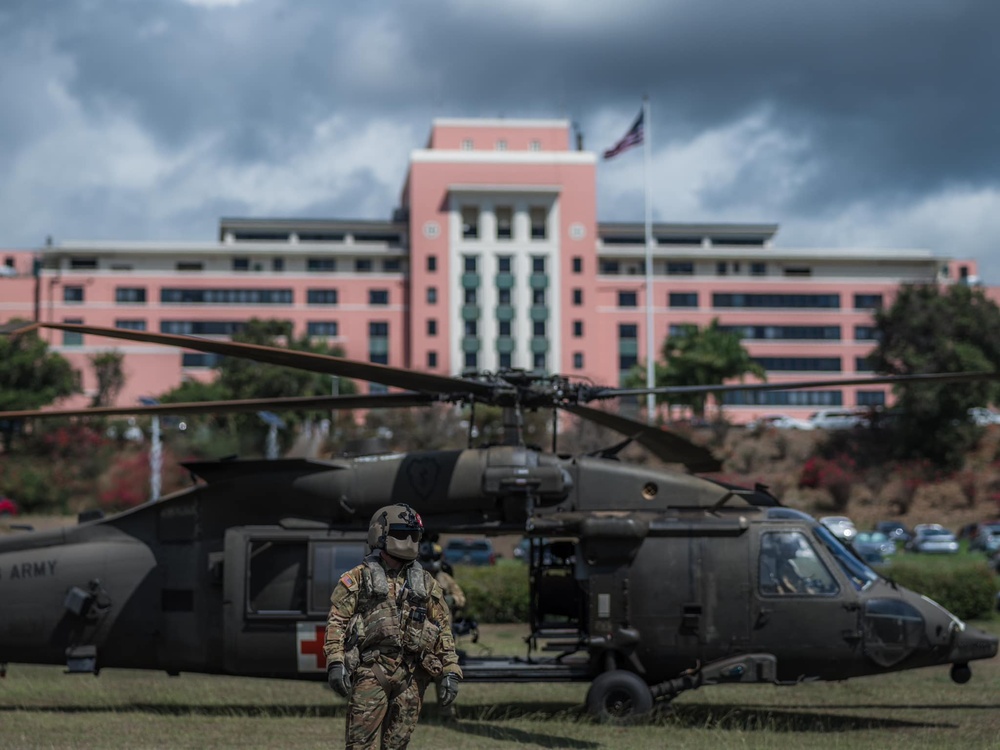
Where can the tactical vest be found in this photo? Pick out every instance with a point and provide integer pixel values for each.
(393, 625)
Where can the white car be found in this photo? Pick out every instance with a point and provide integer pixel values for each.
(982, 416)
(932, 537)
(838, 419)
(780, 422)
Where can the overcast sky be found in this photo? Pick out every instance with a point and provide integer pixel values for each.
(846, 122)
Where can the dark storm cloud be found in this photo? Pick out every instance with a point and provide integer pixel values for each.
(875, 104)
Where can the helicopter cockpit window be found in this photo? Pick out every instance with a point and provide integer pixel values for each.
(330, 560)
(859, 574)
(789, 565)
(276, 577)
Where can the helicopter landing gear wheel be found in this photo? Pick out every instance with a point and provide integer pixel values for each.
(619, 697)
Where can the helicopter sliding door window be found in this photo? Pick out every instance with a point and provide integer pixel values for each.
(277, 573)
(789, 565)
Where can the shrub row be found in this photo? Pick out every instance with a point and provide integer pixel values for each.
(967, 589)
(495, 593)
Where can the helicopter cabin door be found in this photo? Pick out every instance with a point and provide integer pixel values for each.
(803, 613)
(277, 590)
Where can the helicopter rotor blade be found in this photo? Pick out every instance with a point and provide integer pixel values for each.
(294, 403)
(409, 380)
(946, 377)
(666, 446)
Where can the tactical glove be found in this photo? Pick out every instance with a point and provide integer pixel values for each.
(448, 689)
(339, 680)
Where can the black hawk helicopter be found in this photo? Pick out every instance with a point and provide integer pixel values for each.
(659, 580)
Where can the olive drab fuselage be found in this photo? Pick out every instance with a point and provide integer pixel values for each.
(657, 572)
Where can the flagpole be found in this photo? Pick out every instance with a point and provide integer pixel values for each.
(650, 352)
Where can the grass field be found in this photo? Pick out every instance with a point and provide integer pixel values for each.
(40, 707)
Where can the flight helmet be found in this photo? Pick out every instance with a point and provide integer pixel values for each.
(397, 530)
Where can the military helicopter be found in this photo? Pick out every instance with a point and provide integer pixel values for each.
(645, 582)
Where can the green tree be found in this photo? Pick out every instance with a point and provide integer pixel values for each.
(704, 356)
(31, 376)
(240, 378)
(110, 377)
(933, 329)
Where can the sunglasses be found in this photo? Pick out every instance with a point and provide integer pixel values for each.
(412, 535)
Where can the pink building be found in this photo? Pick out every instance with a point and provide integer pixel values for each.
(494, 259)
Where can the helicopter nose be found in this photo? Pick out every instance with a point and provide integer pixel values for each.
(970, 644)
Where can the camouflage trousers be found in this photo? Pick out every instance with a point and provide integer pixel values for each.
(377, 720)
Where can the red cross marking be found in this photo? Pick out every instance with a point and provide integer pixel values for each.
(315, 646)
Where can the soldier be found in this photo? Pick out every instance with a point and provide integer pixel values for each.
(388, 632)
(431, 559)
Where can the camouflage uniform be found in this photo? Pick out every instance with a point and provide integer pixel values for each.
(403, 637)
(453, 593)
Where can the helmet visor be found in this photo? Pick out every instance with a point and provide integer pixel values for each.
(404, 532)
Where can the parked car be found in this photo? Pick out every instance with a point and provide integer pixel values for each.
(873, 546)
(780, 422)
(838, 419)
(470, 552)
(895, 530)
(986, 537)
(842, 527)
(982, 416)
(8, 507)
(932, 538)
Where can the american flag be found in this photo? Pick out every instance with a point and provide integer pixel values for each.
(632, 138)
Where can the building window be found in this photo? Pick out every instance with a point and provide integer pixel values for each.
(829, 301)
(609, 268)
(467, 144)
(185, 265)
(130, 295)
(628, 299)
(378, 330)
(185, 296)
(505, 360)
(432, 360)
(577, 265)
(472, 328)
(470, 263)
(322, 328)
(392, 265)
(758, 269)
(321, 265)
(72, 338)
(471, 360)
(538, 264)
(503, 296)
(503, 328)
(867, 301)
(363, 265)
(432, 263)
(501, 145)
(83, 264)
(432, 295)
(783, 398)
(797, 271)
(277, 264)
(538, 217)
(72, 294)
(131, 325)
(538, 361)
(684, 268)
(534, 145)
(871, 398)
(321, 297)
(538, 297)
(503, 264)
(505, 222)
(577, 297)
(866, 333)
(578, 360)
(791, 333)
(578, 328)
(470, 222)
(683, 299)
(799, 364)
(432, 327)
(378, 296)
(863, 364)
(628, 349)
(241, 264)
(538, 329)
(721, 269)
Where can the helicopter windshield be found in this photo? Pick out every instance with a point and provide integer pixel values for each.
(856, 571)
